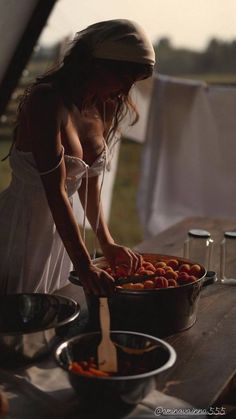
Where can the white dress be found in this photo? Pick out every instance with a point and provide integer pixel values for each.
(32, 255)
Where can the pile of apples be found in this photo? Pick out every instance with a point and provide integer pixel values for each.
(171, 273)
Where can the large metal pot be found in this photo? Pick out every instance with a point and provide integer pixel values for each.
(159, 312)
(31, 324)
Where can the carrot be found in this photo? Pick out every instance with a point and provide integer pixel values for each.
(76, 367)
(98, 373)
(88, 369)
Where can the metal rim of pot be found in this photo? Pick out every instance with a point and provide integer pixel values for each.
(208, 277)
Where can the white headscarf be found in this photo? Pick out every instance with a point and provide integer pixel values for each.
(120, 39)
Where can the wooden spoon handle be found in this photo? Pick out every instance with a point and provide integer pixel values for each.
(4, 406)
(104, 316)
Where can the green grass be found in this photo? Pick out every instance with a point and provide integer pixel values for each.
(228, 79)
(124, 221)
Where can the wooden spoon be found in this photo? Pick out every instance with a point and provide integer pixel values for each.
(4, 406)
(107, 353)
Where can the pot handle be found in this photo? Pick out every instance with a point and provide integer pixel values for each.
(209, 279)
(73, 278)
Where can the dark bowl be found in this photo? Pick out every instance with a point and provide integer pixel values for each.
(113, 394)
(31, 324)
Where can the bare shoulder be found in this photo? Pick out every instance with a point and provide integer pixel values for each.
(44, 98)
(45, 115)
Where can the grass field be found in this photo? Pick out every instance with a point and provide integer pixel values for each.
(220, 79)
(124, 220)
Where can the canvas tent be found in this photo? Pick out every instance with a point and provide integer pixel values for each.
(21, 23)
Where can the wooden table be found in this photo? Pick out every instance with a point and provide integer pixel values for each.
(206, 353)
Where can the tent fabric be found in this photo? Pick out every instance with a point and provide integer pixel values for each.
(21, 23)
(15, 15)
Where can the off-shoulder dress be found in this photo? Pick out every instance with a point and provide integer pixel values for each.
(32, 255)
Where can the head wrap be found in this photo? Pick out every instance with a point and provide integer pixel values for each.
(120, 39)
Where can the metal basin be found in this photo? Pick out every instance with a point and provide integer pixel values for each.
(158, 312)
(31, 324)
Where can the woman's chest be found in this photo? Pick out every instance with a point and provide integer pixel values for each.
(82, 136)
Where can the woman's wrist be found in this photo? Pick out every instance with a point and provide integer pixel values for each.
(105, 240)
(103, 235)
(107, 243)
(83, 263)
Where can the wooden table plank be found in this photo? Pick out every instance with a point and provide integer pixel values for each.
(206, 352)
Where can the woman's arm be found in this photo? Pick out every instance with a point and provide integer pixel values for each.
(114, 253)
(46, 115)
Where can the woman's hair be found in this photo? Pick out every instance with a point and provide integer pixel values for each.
(77, 68)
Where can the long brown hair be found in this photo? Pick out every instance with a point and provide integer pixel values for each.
(76, 69)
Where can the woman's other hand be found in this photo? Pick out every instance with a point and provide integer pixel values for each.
(120, 255)
(96, 281)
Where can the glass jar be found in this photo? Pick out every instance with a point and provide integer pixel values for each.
(228, 258)
(198, 247)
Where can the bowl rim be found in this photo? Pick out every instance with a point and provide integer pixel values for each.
(59, 324)
(170, 362)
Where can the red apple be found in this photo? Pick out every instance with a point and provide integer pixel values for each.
(195, 270)
(185, 267)
(161, 282)
(172, 283)
(148, 284)
(173, 263)
(192, 278)
(171, 275)
(160, 272)
(183, 278)
(160, 265)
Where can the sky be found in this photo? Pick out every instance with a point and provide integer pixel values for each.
(187, 23)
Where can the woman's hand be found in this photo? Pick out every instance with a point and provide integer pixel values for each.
(121, 255)
(96, 281)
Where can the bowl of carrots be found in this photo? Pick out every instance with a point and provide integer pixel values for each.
(140, 358)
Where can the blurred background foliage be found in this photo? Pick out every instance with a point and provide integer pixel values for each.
(218, 59)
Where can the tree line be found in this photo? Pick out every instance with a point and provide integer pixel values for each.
(219, 57)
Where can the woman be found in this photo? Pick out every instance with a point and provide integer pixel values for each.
(65, 126)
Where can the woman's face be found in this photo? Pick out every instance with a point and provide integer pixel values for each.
(109, 84)
(114, 78)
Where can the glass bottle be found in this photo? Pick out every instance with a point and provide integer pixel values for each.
(228, 258)
(198, 247)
